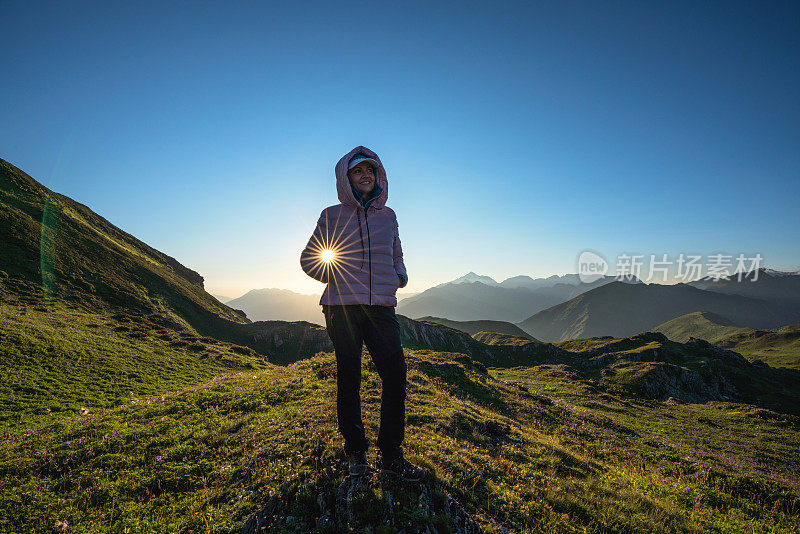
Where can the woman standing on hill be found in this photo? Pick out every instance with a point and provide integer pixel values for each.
(355, 250)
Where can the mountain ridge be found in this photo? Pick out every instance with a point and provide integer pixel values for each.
(74, 253)
(620, 309)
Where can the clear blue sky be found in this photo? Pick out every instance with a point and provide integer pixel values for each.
(514, 137)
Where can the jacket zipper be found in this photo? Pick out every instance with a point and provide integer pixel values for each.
(369, 245)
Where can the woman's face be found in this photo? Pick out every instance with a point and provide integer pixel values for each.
(362, 177)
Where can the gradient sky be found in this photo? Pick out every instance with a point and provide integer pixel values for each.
(514, 136)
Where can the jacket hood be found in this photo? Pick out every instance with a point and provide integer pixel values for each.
(343, 188)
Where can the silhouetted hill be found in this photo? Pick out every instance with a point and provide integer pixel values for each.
(279, 305)
(286, 342)
(620, 309)
(473, 327)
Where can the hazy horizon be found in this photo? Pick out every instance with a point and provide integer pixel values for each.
(403, 292)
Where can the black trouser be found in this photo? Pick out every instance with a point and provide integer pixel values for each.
(378, 327)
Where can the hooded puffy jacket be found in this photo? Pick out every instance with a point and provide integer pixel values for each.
(367, 266)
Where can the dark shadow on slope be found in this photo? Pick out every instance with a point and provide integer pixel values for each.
(329, 500)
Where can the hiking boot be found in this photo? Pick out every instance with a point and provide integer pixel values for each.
(401, 467)
(358, 463)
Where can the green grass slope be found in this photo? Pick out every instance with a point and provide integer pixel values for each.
(75, 255)
(90, 316)
(779, 347)
(58, 357)
(496, 338)
(700, 324)
(537, 449)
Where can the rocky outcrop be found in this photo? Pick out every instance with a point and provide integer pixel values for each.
(332, 501)
(662, 381)
(729, 357)
(652, 366)
(432, 336)
(282, 341)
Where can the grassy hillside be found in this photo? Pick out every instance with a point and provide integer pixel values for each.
(495, 338)
(779, 347)
(701, 324)
(473, 327)
(90, 316)
(58, 357)
(537, 449)
(75, 255)
(649, 365)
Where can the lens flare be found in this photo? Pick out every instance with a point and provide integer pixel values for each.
(336, 250)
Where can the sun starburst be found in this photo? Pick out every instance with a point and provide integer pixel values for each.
(336, 254)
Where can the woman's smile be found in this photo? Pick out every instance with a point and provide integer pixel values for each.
(362, 177)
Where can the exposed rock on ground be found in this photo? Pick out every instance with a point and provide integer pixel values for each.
(332, 501)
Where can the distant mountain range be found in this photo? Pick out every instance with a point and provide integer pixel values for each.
(279, 305)
(516, 281)
(272, 304)
(618, 309)
(557, 308)
(767, 284)
(469, 298)
(70, 252)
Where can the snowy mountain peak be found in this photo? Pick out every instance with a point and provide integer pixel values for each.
(471, 277)
(775, 272)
